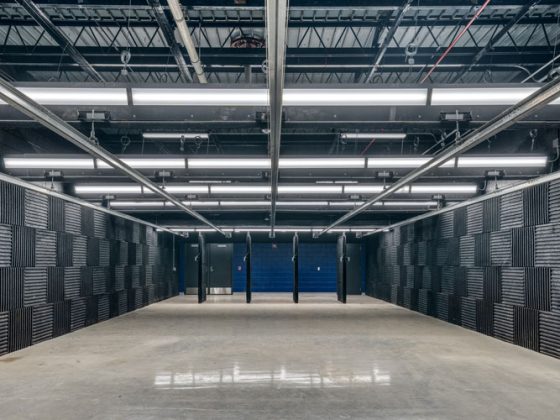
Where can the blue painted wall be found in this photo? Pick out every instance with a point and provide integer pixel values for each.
(317, 267)
(272, 267)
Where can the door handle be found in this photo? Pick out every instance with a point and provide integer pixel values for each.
(211, 269)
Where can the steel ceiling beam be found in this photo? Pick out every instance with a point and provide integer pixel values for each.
(169, 35)
(21, 102)
(390, 34)
(277, 32)
(297, 59)
(60, 38)
(507, 118)
(496, 38)
(294, 22)
(314, 4)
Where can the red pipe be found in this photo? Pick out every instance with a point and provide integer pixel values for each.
(367, 147)
(457, 38)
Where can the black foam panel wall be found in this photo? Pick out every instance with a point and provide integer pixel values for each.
(64, 266)
(492, 267)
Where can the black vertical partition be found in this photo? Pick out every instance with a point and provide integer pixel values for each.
(248, 268)
(341, 268)
(202, 269)
(295, 260)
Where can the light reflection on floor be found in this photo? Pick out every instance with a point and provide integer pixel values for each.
(281, 378)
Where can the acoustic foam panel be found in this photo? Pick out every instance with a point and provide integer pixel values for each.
(36, 211)
(549, 329)
(535, 205)
(55, 284)
(20, 328)
(4, 332)
(23, 246)
(34, 286)
(5, 245)
(72, 218)
(43, 321)
(503, 322)
(45, 244)
(12, 204)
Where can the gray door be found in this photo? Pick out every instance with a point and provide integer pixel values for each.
(353, 269)
(191, 271)
(220, 268)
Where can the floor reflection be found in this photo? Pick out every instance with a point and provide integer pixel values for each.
(281, 378)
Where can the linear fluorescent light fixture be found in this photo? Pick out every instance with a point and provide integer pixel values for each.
(371, 189)
(335, 230)
(75, 96)
(371, 136)
(210, 230)
(133, 204)
(201, 203)
(174, 136)
(182, 189)
(244, 203)
(328, 163)
(497, 162)
(309, 189)
(409, 203)
(48, 163)
(240, 189)
(444, 189)
(345, 203)
(412, 162)
(147, 163)
(354, 97)
(482, 96)
(107, 189)
(302, 203)
(233, 163)
(251, 230)
(200, 97)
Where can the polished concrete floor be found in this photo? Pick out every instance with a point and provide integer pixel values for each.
(277, 360)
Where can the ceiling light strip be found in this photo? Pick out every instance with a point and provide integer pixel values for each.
(158, 162)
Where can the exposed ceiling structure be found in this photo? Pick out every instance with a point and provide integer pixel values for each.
(356, 96)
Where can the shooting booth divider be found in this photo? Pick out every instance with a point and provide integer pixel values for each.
(341, 261)
(295, 261)
(202, 269)
(247, 259)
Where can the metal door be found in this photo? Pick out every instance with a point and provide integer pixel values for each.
(341, 268)
(219, 275)
(353, 269)
(202, 269)
(248, 244)
(295, 261)
(191, 269)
